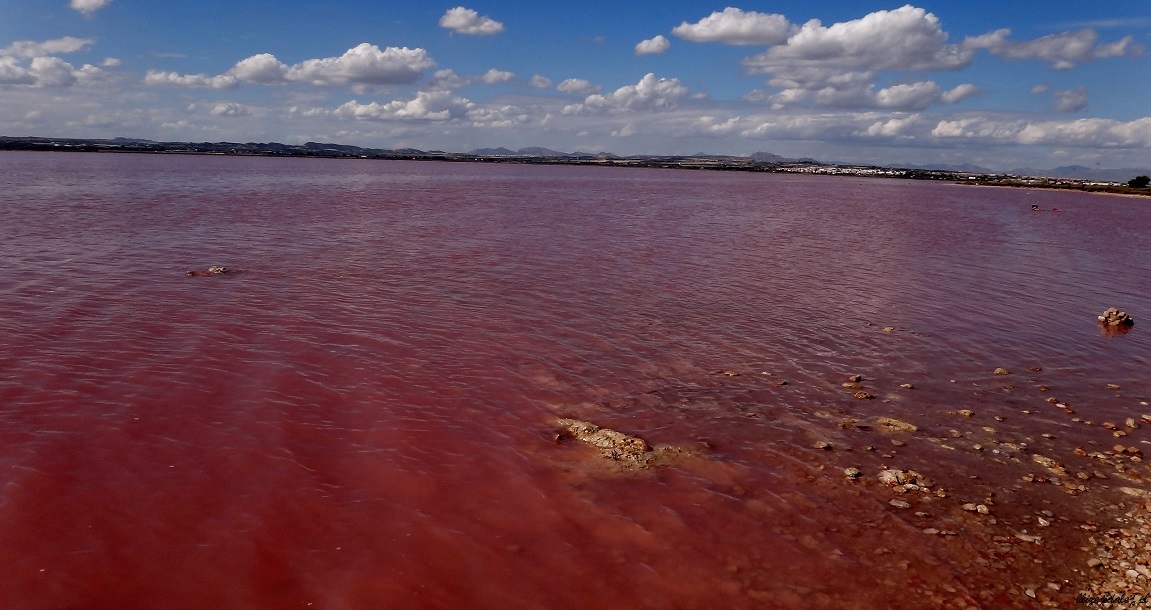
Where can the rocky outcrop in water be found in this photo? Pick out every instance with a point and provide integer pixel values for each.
(628, 452)
(1114, 317)
(210, 271)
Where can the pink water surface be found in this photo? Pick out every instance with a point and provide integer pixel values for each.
(361, 415)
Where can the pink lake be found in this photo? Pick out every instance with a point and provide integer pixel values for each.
(362, 414)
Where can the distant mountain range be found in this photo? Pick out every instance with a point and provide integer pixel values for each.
(536, 151)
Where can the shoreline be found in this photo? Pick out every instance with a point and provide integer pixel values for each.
(681, 162)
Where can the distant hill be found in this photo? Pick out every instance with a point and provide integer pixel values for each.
(766, 157)
(947, 167)
(501, 151)
(537, 151)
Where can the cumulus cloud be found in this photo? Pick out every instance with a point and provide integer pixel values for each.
(55, 46)
(46, 72)
(914, 96)
(1062, 51)
(263, 68)
(734, 26)
(838, 65)
(466, 21)
(649, 94)
(540, 82)
(960, 93)
(1070, 100)
(230, 109)
(447, 80)
(897, 127)
(364, 64)
(1088, 132)
(577, 86)
(1102, 133)
(498, 117)
(653, 46)
(426, 106)
(907, 39)
(196, 81)
(494, 76)
(87, 7)
(1037, 89)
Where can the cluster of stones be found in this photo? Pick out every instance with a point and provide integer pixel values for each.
(903, 481)
(1114, 317)
(1122, 557)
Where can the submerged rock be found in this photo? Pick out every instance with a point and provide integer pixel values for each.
(213, 270)
(891, 424)
(1114, 317)
(629, 452)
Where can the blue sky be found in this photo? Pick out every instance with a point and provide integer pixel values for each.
(1001, 84)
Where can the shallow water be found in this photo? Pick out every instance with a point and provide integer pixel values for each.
(361, 415)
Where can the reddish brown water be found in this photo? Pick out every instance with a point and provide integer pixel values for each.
(362, 415)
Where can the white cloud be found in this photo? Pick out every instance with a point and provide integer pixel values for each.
(907, 39)
(494, 76)
(649, 94)
(427, 105)
(263, 68)
(894, 127)
(52, 72)
(364, 64)
(1088, 132)
(87, 7)
(46, 72)
(110, 62)
(55, 46)
(466, 21)
(915, 96)
(1097, 133)
(499, 117)
(838, 65)
(734, 26)
(1062, 51)
(230, 109)
(447, 80)
(540, 82)
(577, 86)
(1070, 100)
(1037, 89)
(653, 46)
(710, 125)
(11, 73)
(200, 81)
(960, 93)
